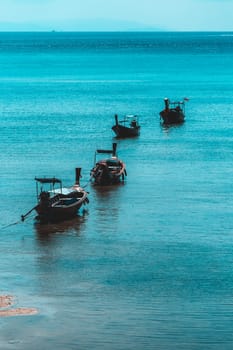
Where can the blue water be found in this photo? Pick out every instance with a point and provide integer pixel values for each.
(148, 264)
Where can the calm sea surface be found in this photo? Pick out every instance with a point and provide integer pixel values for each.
(148, 264)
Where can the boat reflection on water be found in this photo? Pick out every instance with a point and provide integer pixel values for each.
(110, 192)
(107, 202)
(74, 226)
(167, 128)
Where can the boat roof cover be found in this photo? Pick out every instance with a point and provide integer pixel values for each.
(104, 151)
(47, 180)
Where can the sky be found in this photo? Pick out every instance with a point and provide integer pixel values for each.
(111, 15)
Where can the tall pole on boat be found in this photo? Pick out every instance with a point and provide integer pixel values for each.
(114, 147)
(166, 101)
(77, 175)
(116, 119)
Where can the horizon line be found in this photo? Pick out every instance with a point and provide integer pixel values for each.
(117, 31)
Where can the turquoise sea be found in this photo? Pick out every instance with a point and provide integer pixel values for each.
(149, 264)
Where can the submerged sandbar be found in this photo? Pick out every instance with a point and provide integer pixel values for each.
(6, 301)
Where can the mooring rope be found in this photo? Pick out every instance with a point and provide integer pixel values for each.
(14, 223)
(87, 182)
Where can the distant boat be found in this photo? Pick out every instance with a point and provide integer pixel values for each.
(174, 112)
(108, 171)
(128, 127)
(56, 204)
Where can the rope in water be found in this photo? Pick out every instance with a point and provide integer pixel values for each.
(13, 223)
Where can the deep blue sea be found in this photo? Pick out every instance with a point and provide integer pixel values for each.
(149, 264)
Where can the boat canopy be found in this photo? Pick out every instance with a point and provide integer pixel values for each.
(48, 180)
(106, 151)
(41, 181)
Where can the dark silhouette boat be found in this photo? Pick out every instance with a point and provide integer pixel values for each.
(110, 170)
(58, 203)
(174, 112)
(128, 127)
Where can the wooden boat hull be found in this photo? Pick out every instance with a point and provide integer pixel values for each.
(103, 174)
(60, 208)
(172, 116)
(123, 131)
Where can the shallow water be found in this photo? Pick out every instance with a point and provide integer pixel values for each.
(148, 264)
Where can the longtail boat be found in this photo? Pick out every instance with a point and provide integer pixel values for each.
(174, 112)
(127, 127)
(58, 203)
(110, 170)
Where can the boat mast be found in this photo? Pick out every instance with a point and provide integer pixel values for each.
(114, 147)
(166, 101)
(77, 175)
(116, 119)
